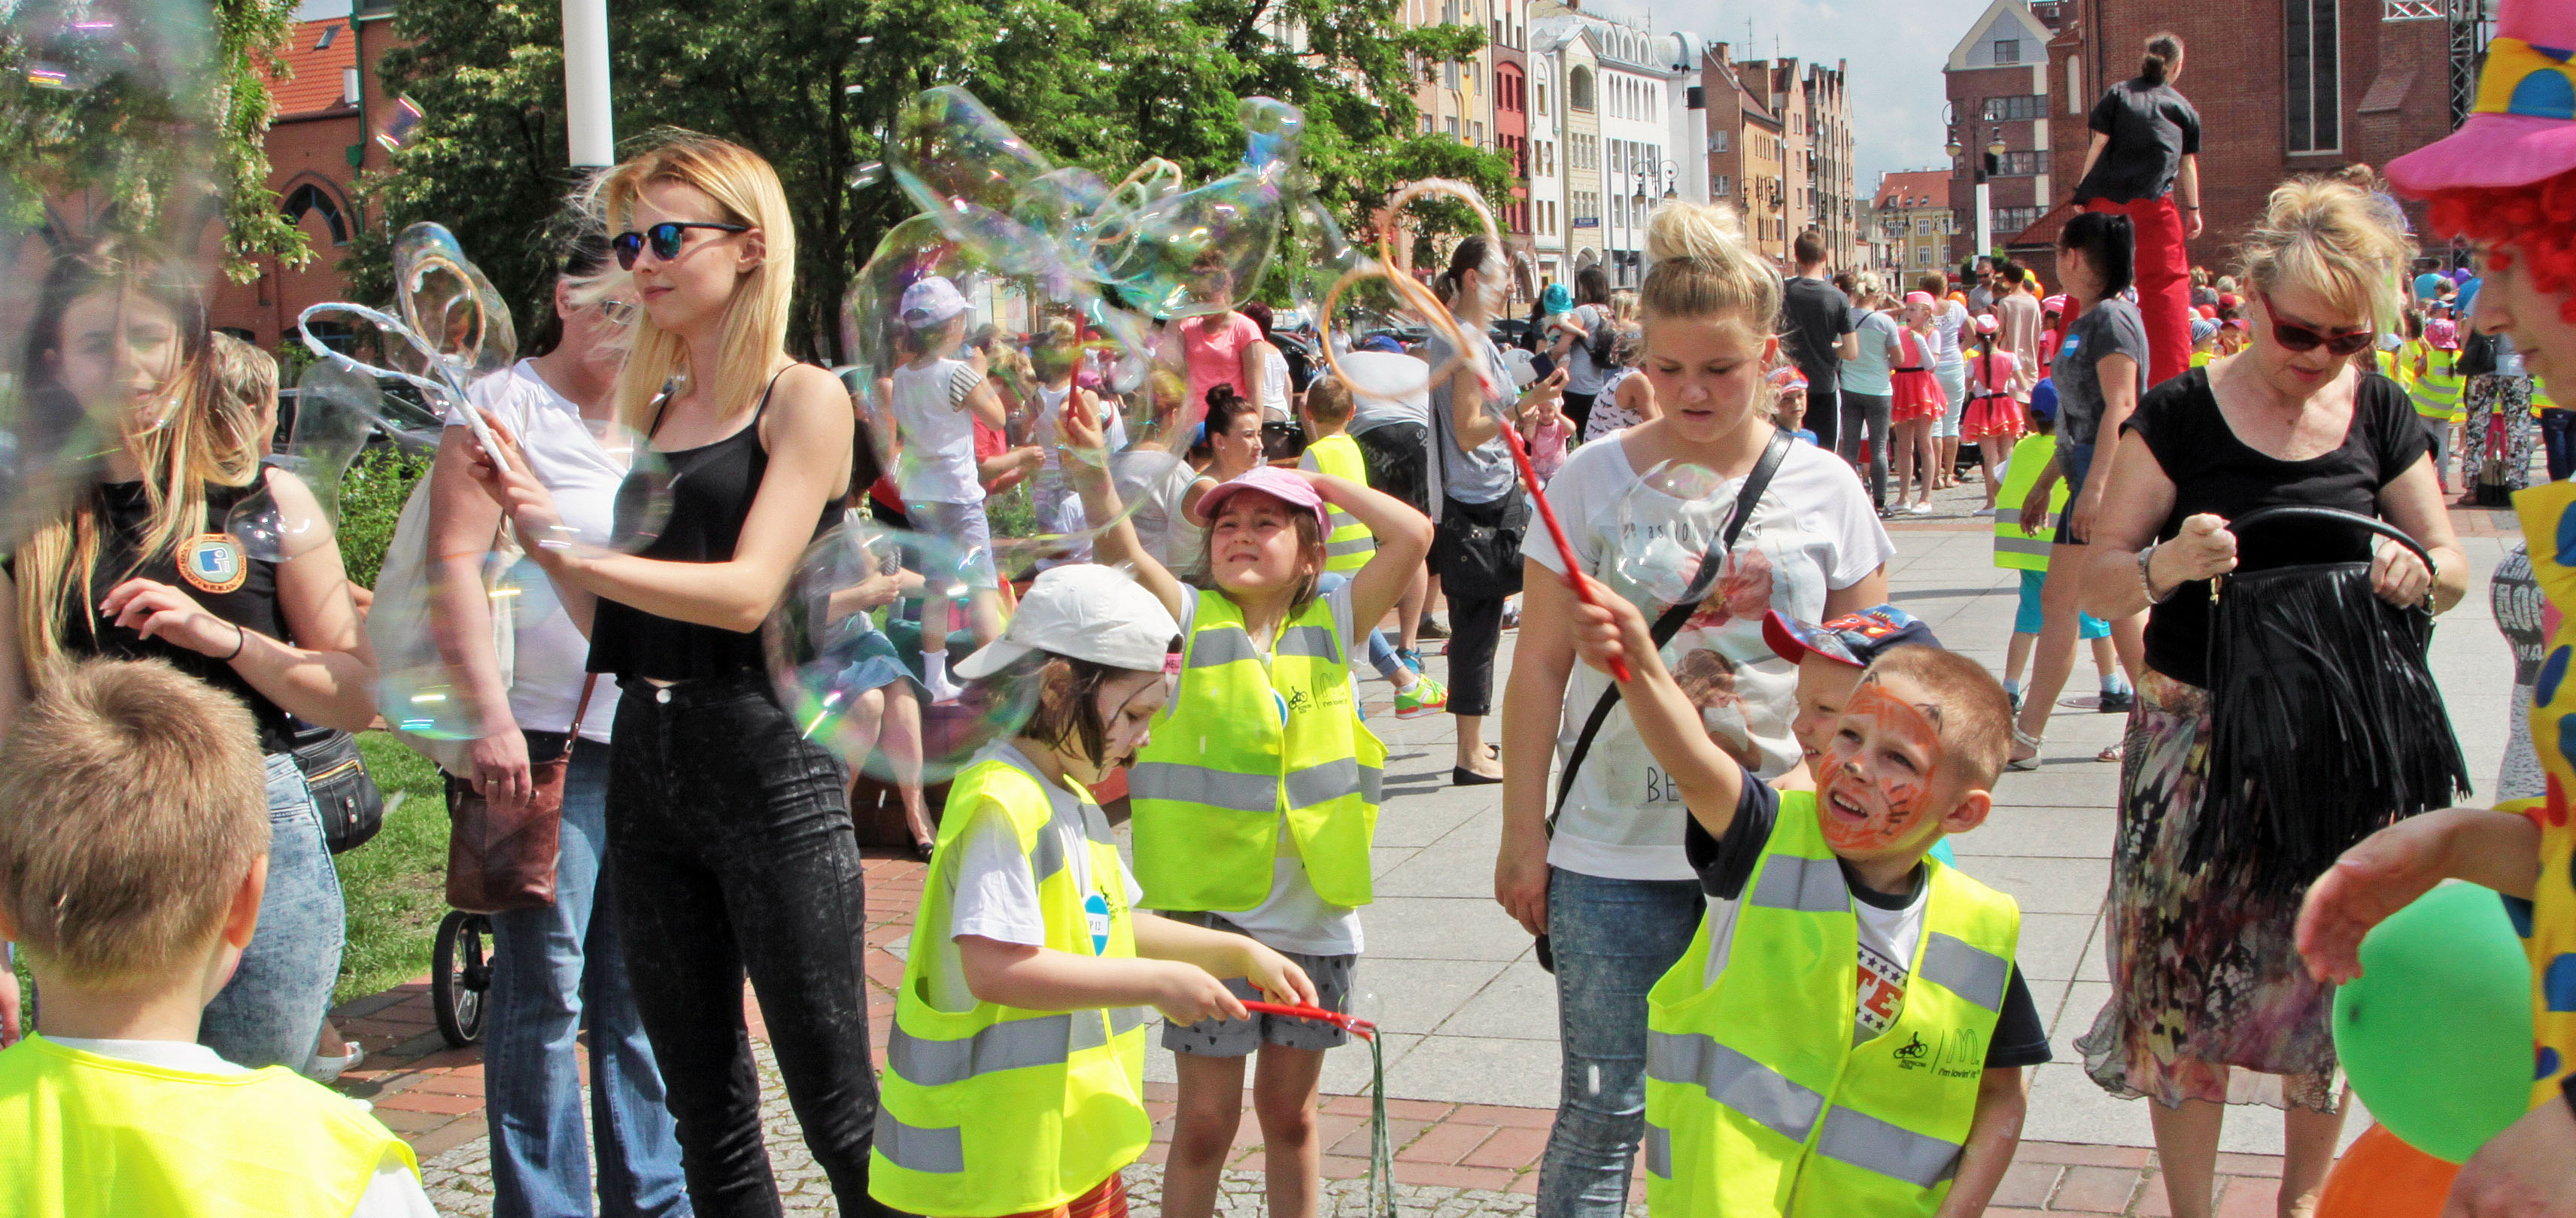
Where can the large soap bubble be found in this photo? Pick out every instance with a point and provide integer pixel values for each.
(1203, 250)
(1668, 522)
(297, 504)
(829, 654)
(106, 106)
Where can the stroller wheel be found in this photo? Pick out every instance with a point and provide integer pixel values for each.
(460, 972)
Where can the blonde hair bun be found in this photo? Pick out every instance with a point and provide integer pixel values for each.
(1699, 266)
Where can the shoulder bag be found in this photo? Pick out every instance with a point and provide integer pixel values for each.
(499, 861)
(351, 807)
(1665, 627)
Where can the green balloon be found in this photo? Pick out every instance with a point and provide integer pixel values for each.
(2436, 1032)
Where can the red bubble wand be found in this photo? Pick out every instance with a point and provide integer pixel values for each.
(1381, 1185)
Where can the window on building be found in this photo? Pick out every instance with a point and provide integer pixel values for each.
(2007, 50)
(1542, 97)
(2314, 108)
(1578, 88)
(1923, 255)
(2015, 109)
(1449, 74)
(309, 198)
(2022, 164)
(1476, 132)
(1717, 140)
(1498, 30)
(2075, 84)
(2011, 220)
(1922, 227)
(1451, 122)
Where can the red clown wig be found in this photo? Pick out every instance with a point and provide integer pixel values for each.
(2534, 224)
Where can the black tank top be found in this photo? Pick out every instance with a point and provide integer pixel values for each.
(712, 487)
(210, 567)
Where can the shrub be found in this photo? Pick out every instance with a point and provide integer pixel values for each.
(371, 501)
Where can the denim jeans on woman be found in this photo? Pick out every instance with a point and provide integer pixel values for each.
(271, 1012)
(729, 835)
(551, 966)
(1612, 940)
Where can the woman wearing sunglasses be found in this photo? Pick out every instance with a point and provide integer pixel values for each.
(2210, 1003)
(729, 833)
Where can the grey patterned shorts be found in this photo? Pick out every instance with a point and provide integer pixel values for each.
(1239, 1037)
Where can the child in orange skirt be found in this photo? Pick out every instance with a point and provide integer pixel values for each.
(1919, 400)
(1993, 421)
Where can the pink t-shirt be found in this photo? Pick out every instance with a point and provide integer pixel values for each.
(1214, 346)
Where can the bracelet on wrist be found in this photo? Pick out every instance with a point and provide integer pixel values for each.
(2147, 581)
(241, 639)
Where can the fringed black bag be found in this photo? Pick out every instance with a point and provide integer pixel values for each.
(2325, 722)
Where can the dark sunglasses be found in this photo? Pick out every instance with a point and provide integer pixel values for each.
(2297, 337)
(665, 239)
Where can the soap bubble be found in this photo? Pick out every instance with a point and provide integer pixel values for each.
(107, 105)
(401, 125)
(827, 651)
(1668, 522)
(297, 505)
(418, 691)
(1203, 250)
(866, 174)
(445, 300)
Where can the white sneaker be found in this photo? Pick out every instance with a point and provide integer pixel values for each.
(1922, 507)
(327, 1070)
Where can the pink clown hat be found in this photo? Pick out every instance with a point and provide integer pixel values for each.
(2523, 127)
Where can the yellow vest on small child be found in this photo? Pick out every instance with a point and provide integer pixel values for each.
(1350, 545)
(87, 1136)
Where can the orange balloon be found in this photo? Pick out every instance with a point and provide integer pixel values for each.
(2383, 1177)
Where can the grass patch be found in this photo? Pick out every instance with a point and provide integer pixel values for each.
(395, 885)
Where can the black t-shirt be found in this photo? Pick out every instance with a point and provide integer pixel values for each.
(2152, 128)
(1725, 866)
(1814, 316)
(208, 565)
(2215, 472)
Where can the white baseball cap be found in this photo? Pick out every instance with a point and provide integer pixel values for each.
(1084, 612)
(931, 299)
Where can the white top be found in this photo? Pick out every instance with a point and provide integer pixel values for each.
(1274, 385)
(938, 460)
(1045, 429)
(1813, 532)
(1608, 415)
(1386, 389)
(394, 1192)
(996, 893)
(1888, 938)
(1948, 326)
(1153, 482)
(1293, 918)
(564, 451)
(1581, 374)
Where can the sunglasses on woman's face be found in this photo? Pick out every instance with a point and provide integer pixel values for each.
(2297, 337)
(665, 238)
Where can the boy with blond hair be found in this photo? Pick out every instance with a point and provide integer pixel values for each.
(133, 853)
(1846, 1032)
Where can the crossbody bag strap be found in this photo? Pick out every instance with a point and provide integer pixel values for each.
(580, 711)
(1670, 623)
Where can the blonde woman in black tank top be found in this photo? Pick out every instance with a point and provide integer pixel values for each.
(730, 833)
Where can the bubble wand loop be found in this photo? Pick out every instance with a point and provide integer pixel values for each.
(1421, 299)
(1380, 1202)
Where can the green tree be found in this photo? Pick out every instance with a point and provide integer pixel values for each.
(814, 85)
(249, 34)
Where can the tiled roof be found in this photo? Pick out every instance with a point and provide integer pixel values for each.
(315, 81)
(1918, 188)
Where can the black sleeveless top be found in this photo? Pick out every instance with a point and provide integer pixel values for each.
(712, 487)
(208, 565)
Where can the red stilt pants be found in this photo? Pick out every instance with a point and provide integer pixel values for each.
(2164, 282)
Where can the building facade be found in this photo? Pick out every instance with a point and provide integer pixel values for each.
(1455, 97)
(1915, 217)
(1746, 165)
(1637, 167)
(1546, 172)
(2000, 88)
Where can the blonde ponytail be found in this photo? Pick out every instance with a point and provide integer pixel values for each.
(1699, 267)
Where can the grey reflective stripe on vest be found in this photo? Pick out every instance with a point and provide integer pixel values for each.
(912, 1148)
(1044, 1041)
(1318, 783)
(1972, 973)
(1123, 1020)
(1313, 641)
(1049, 857)
(2036, 547)
(1349, 546)
(1221, 645)
(1865, 1141)
(1198, 784)
(1659, 1152)
(1372, 781)
(1802, 885)
(1757, 1091)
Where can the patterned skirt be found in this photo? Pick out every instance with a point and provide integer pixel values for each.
(2209, 999)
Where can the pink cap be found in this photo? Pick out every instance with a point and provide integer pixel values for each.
(2054, 304)
(1277, 483)
(1918, 298)
(1986, 323)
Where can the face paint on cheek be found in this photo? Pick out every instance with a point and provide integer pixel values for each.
(1890, 798)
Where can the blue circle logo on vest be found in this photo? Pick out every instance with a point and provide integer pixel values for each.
(1095, 909)
(212, 563)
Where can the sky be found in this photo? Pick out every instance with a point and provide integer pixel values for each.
(1895, 48)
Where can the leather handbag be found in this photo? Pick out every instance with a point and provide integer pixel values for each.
(498, 861)
(345, 795)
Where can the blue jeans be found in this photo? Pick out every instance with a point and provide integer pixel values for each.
(551, 966)
(2558, 442)
(270, 1013)
(1613, 939)
(1381, 653)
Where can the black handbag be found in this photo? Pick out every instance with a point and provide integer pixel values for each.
(2325, 723)
(2477, 354)
(352, 809)
(1477, 554)
(1668, 624)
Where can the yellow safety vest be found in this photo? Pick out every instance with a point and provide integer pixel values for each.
(1246, 742)
(998, 1110)
(90, 1136)
(1350, 545)
(2015, 549)
(1757, 1101)
(2549, 929)
(2436, 393)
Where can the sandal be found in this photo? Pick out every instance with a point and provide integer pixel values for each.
(2113, 753)
(2024, 740)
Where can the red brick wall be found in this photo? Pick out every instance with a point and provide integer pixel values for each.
(1967, 92)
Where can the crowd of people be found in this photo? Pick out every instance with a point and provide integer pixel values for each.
(1726, 780)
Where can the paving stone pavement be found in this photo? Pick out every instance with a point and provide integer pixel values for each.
(1470, 1020)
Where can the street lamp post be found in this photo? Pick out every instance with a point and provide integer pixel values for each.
(1994, 152)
